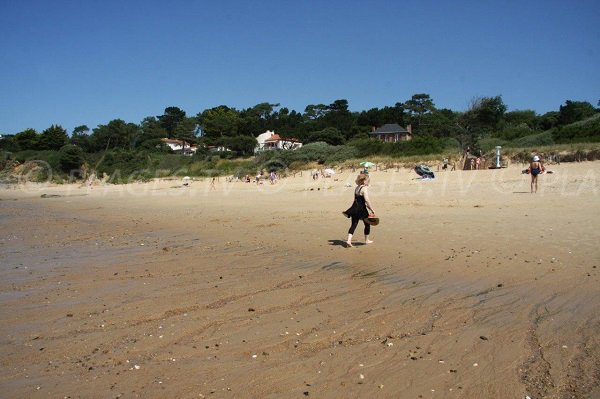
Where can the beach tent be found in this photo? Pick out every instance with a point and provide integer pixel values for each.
(424, 171)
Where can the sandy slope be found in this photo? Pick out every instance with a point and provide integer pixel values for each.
(473, 288)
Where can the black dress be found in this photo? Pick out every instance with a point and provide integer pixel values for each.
(359, 207)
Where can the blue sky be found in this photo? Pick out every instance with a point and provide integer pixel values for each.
(83, 62)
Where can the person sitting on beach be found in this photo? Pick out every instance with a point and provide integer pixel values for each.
(535, 168)
(361, 208)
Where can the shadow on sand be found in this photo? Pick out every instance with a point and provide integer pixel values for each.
(342, 243)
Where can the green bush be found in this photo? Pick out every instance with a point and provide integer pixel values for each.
(70, 158)
(365, 147)
(312, 152)
(514, 132)
(418, 146)
(584, 131)
(451, 144)
(171, 162)
(123, 165)
(533, 140)
(342, 153)
(51, 157)
(489, 144)
(423, 145)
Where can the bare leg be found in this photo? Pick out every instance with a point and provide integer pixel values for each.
(533, 184)
(349, 241)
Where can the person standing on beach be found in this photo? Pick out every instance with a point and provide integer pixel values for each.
(361, 208)
(535, 168)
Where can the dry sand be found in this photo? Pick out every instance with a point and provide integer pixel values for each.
(474, 288)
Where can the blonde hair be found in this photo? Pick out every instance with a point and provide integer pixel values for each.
(362, 179)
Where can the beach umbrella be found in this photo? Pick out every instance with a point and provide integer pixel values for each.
(367, 164)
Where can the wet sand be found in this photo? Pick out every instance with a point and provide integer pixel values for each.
(473, 288)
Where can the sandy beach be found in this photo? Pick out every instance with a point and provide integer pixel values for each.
(473, 288)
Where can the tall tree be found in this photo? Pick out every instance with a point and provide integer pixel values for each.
(339, 117)
(439, 123)
(28, 139)
(315, 112)
(172, 117)
(219, 121)
(53, 138)
(549, 120)
(484, 114)
(244, 145)
(117, 134)
(80, 130)
(151, 129)
(81, 138)
(417, 106)
(376, 117)
(522, 117)
(329, 135)
(574, 111)
(186, 131)
(256, 120)
(370, 118)
(177, 126)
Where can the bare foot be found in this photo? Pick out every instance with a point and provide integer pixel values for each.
(348, 244)
(369, 242)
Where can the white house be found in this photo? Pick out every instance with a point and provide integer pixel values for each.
(178, 146)
(272, 141)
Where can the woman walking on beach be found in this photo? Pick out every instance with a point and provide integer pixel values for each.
(361, 208)
(535, 168)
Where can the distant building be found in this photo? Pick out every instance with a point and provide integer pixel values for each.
(180, 146)
(269, 141)
(392, 133)
(218, 148)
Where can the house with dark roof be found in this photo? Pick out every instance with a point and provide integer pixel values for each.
(392, 133)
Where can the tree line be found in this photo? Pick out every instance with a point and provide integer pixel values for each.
(484, 123)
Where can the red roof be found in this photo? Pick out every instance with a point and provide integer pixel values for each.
(274, 137)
